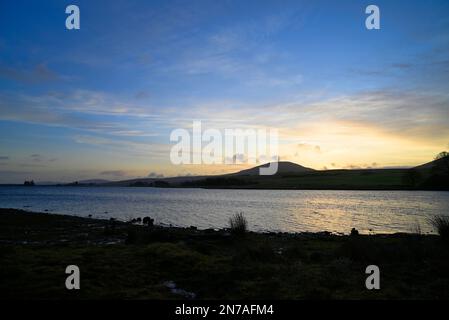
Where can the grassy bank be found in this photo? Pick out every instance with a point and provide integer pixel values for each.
(123, 260)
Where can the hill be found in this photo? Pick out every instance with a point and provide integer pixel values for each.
(284, 167)
(433, 175)
(430, 176)
(441, 164)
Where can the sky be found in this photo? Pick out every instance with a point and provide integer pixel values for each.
(101, 102)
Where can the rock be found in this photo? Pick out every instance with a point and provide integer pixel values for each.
(148, 221)
(185, 294)
(170, 284)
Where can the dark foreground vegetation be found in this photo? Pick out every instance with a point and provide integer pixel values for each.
(129, 261)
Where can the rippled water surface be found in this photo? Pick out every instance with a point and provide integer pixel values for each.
(266, 210)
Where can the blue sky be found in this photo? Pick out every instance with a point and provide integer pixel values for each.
(100, 102)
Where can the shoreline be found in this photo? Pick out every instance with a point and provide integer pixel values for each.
(342, 188)
(120, 260)
(93, 223)
(165, 226)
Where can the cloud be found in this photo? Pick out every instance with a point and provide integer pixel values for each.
(241, 51)
(352, 166)
(155, 151)
(33, 161)
(38, 74)
(32, 165)
(155, 175)
(114, 173)
(80, 109)
(14, 176)
(4, 158)
(36, 157)
(361, 166)
(388, 70)
(414, 114)
(407, 113)
(402, 65)
(309, 147)
(387, 115)
(142, 95)
(402, 112)
(40, 158)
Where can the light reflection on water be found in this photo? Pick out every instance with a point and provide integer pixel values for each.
(266, 210)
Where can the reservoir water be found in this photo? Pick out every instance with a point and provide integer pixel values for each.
(265, 210)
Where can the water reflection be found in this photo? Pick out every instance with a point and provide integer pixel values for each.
(266, 210)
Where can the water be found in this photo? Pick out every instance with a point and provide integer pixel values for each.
(266, 210)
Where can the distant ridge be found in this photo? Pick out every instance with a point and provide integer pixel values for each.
(95, 181)
(283, 167)
(433, 175)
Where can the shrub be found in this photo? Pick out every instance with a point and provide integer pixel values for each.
(238, 224)
(441, 225)
(148, 221)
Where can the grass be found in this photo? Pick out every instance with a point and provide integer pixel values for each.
(211, 264)
(238, 224)
(441, 225)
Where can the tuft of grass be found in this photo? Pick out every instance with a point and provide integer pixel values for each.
(238, 224)
(416, 228)
(441, 225)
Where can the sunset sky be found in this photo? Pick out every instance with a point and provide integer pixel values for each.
(100, 102)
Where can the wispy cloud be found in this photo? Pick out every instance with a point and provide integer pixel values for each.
(152, 151)
(114, 173)
(246, 65)
(79, 110)
(37, 74)
(36, 157)
(155, 175)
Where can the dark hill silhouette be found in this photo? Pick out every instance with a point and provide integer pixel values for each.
(283, 168)
(149, 182)
(433, 175)
(94, 181)
(441, 164)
